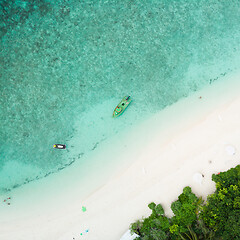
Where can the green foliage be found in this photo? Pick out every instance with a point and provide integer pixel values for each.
(217, 219)
(154, 227)
(158, 226)
(136, 227)
(174, 229)
(222, 211)
(203, 231)
(152, 205)
(164, 222)
(157, 234)
(236, 203)
(176, 206)
(185, 210)
(193, 234)
(225, 179)
(156, 209)
(159, 209)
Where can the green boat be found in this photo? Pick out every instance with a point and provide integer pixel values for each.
(122, 106)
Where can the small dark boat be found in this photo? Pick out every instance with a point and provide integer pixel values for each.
(59, 146)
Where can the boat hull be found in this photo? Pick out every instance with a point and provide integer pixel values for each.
(120, 108)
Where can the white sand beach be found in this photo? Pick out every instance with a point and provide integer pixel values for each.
(183, 145)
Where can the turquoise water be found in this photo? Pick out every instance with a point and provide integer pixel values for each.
(66, 65)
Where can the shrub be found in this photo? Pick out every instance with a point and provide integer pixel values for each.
(185, 209)
(222, 210)
(217, 219)
(156, 226)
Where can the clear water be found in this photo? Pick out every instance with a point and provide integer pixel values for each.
(65, 65)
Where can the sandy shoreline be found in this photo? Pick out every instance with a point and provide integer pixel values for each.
(158, 161)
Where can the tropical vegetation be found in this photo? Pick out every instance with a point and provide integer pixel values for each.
(218, 218)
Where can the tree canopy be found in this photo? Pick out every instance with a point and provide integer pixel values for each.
(218, 218)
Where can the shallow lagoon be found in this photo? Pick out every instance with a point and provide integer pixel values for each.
(66, 66)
